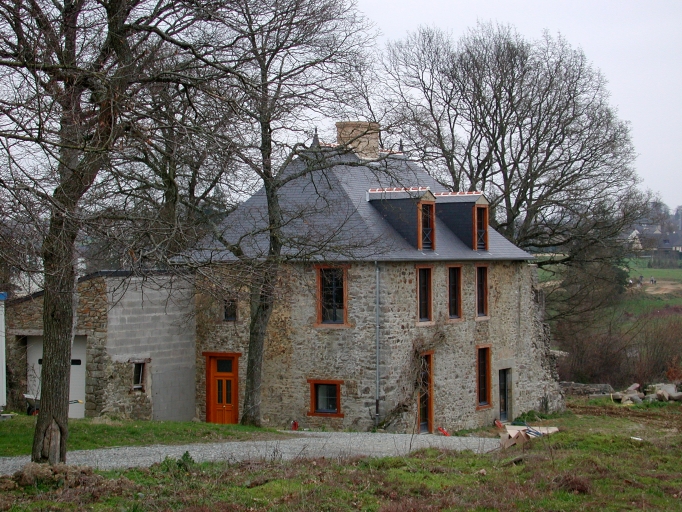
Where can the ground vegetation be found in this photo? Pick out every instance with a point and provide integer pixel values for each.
(605, 457)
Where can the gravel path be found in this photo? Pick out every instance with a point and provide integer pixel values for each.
(308, 445)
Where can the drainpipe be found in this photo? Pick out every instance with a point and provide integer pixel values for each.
(376, 321)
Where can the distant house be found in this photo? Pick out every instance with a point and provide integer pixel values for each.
(670, 242)
(399, 307)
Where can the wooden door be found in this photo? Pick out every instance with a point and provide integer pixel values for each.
(505, 393)
(425, 403)
(222, 397)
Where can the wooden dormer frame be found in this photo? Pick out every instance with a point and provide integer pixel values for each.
(478, 211)
(420, 239)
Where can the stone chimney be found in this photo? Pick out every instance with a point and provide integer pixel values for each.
(361, 136)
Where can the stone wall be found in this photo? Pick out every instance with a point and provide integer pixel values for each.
(25, 318)
(17, 372)
(120, 399)
(577, 389)
(296, 350)
(125, 321)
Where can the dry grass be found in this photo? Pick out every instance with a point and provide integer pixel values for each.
(591, 464)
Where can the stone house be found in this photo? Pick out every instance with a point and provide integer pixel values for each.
(414, 315)
(398, 308)
(132, 352)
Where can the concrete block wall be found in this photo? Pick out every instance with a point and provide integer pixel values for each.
(124, 320)
(153, 320)
(296, 350)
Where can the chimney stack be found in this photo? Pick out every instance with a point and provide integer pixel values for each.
(361, 136)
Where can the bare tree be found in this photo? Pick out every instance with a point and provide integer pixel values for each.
(69, 71)
(529, 123)
(170, 179)
(285, 66)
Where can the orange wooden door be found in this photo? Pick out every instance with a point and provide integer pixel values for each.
(222, 390)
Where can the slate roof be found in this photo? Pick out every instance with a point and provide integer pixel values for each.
(329, 217)
(670, 240)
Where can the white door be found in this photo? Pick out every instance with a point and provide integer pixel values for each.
(34, 358)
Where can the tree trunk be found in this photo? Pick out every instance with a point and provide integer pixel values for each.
(49, 442)
(78, 172)
(262, 303)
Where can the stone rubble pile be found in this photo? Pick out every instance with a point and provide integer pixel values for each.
(653, 393)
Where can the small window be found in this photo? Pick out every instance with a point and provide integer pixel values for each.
(483, 376)
(427, 232)
(482, 291)
(224, 365)
(325, 398)
(230, 310)
(332, 297)
(455, 292)
(424, 294)
(138, 376)
(74, 362)
(481, 228)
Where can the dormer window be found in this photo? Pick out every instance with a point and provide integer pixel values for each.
(426, 223)
(480, 228)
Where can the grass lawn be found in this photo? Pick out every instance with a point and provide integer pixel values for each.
(16, 435)
(639, 268)
(666, 293)
(605, 457)
(641, 303)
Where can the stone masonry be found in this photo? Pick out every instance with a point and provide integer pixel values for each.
(125, 321)
(25, 318)
(296, 350)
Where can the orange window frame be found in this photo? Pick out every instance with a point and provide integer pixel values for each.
(337, 383)
(486, 291)
(429, 293)
(480, 210)
(318, 274)
(488, 403)
(459, 292)
(420, 239)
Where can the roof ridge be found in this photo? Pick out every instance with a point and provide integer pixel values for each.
(475, 192)
(398, 189)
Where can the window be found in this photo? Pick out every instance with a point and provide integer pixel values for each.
(455, 292)
(138, 376)
(480, 228)
(332, 296)
(325, 398)
(482, 291)
(426, 225)
(483, 377)
(230, 310)
(424, 293)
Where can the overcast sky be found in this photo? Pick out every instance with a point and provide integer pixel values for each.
(636, 44)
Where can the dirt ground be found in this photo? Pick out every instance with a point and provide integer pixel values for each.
(663, 287)
(663, 418)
